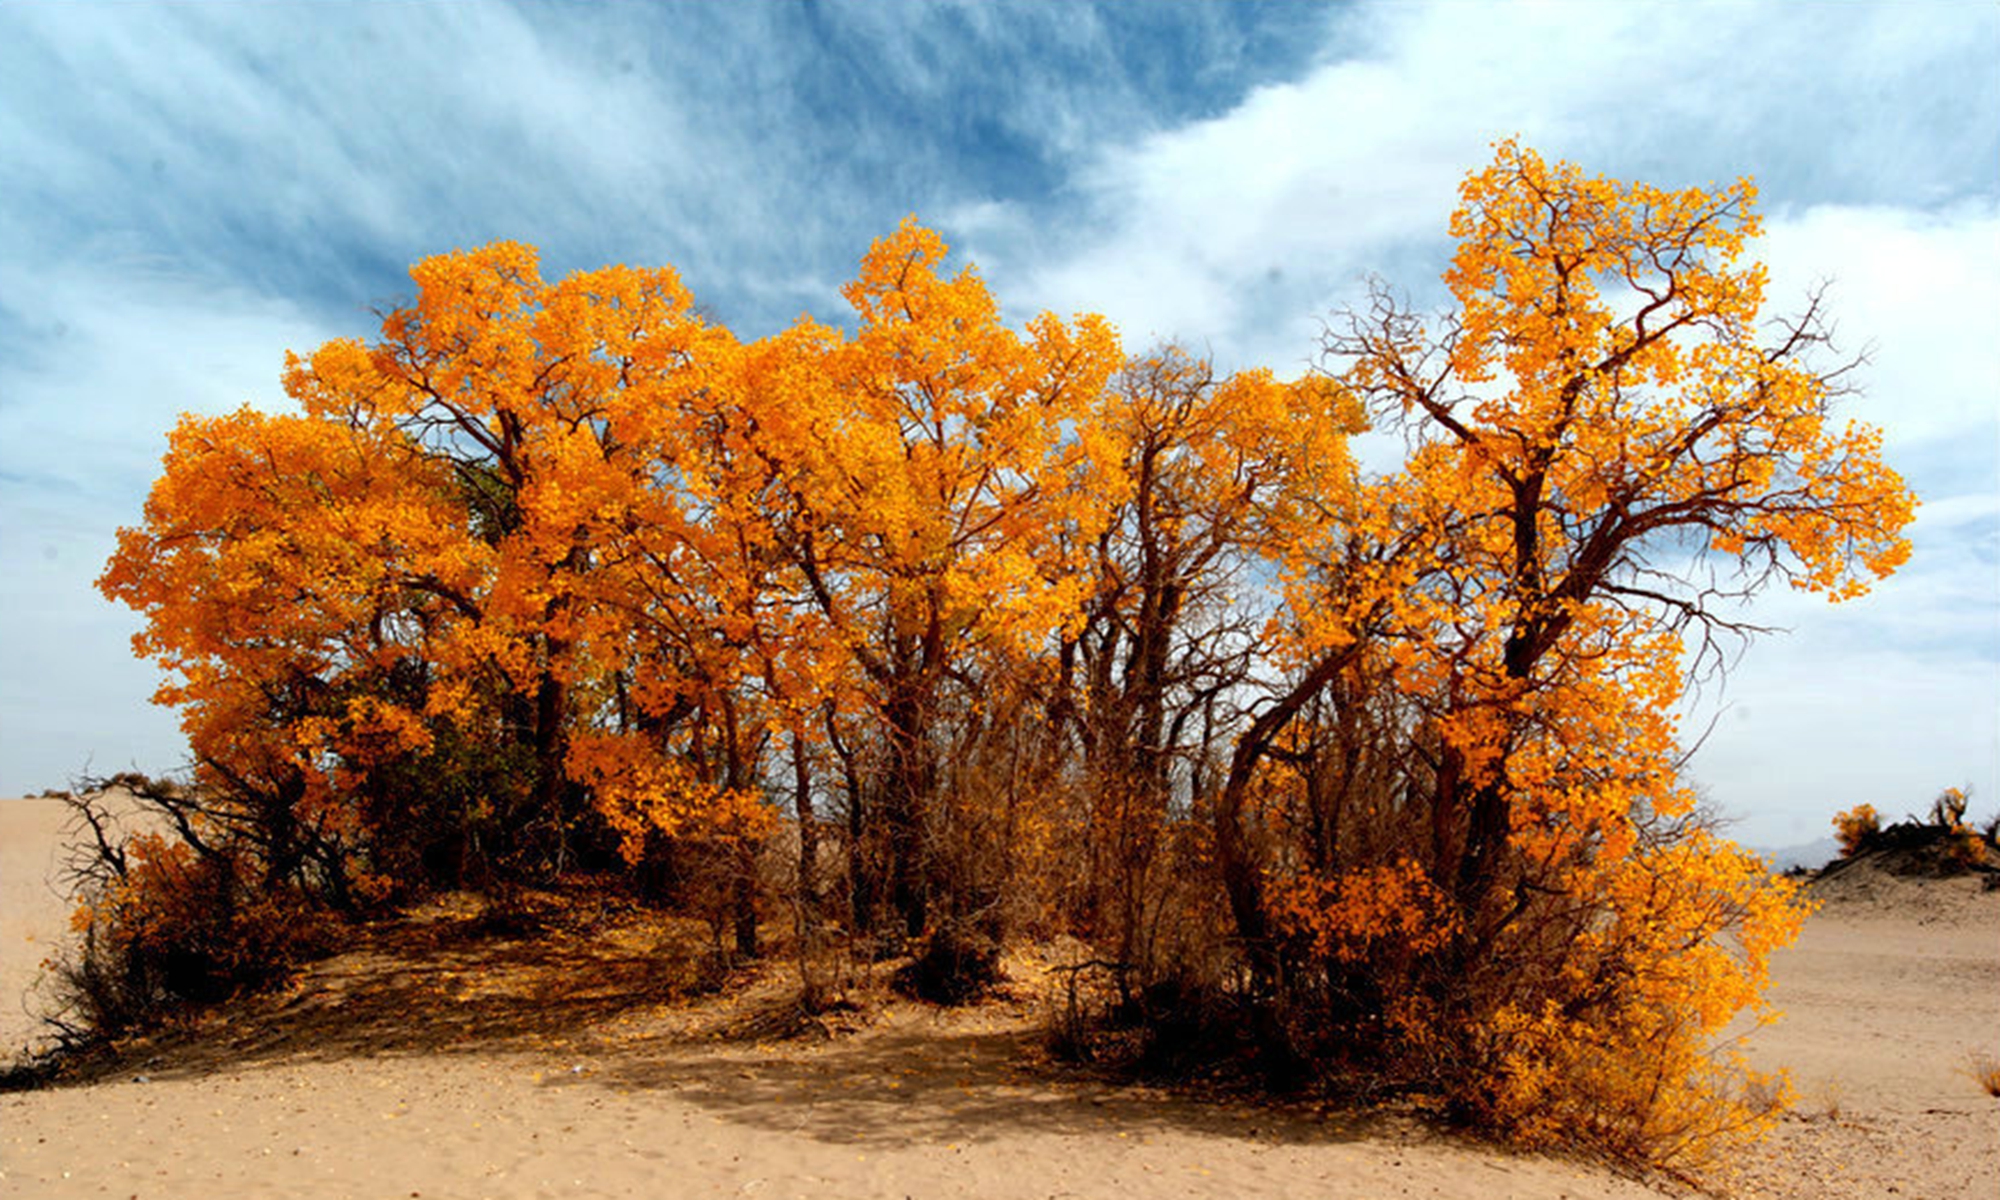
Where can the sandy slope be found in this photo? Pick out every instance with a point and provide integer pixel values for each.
(442, 1066)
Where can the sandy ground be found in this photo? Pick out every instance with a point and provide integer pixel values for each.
(444, 1066)
(1888, 997)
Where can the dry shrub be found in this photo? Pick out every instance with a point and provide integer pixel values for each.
(1622, 1031)
(1075, 1003)
(1587, 1017)
(1171, 1029)
(1593, 1020)
(988, 839)
(1948, 810)
(1984, 1070)
(1165, 999)
(955, 965)
(1942, 845)
(1638, 1086)
(165, 925)
(1965, 849)
(718, 880)
(828, 969)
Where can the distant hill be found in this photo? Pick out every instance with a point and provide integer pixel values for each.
(1810, 855)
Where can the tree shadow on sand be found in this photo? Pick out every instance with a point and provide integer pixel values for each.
(631, 1008)
(431, 985)
(923, 1081)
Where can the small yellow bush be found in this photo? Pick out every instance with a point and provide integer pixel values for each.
(1855, 826)
(1966, 848)
(1985, 1071)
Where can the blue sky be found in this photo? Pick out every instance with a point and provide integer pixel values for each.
(188, 190)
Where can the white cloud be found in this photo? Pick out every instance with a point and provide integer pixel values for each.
(1918, 290)
(1240, 231)
(73, 699)
(1817, 724)
(126, 349)
(1194, 227)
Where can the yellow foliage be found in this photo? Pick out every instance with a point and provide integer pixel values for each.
(1345, 917)
(1855, 826)
(638, 790)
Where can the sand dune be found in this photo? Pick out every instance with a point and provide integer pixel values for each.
(439, 1064)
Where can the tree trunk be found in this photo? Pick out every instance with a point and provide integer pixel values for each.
(744, 900)
(808, 824)
(861, 892)
(1242, 876)
(551, 765)
(904, 801)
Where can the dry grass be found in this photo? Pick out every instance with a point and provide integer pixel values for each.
(1985, 1071)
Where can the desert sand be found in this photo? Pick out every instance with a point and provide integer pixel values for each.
(434, 1063)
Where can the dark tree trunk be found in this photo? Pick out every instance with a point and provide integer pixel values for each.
(904, 797)
(551, 744)
(802, 806)
(744, 901)
(1242, 875)
(861, 890)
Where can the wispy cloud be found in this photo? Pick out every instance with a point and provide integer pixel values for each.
(121, 351)
(1242, 229)
(315, 152)
(1914, 288)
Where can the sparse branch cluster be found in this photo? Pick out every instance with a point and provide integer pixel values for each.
(931, 634)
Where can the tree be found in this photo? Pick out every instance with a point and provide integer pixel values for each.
(1604, 449)
(926, 471)
(274, 571)
(1208, 477)
(1603, 415)
(567, 569)
(396, 586)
